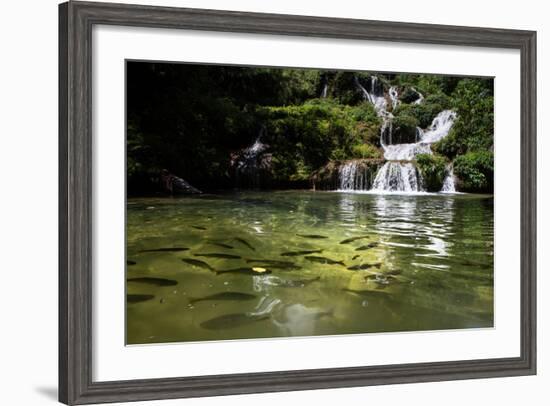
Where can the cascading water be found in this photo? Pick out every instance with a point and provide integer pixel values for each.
(397, 177)
(375, 95)
(394, 97)
(449, 182)
(440, 127)
(398, 174)
(352, 176)
(251, 161)
(420, 97)
(324, 92)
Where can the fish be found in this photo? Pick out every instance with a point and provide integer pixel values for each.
(245, 243)
(232, 320)
(351, 239)
(138, 298)
(314, 236)
(364, 266)
(130, 262)
(269, 261)
(224, 296)
(274, 263)
(297, 283)
(324, 260)
(366, 247)
(355, 257)
(394, 272)
(245, 271)
(318, 315)
(382, 280)
(172, 249)
(222, 245)
(218, 255)
(298, 253)
(367, 293)
(199, 228)
(153, 281)
(287, 267)
(197, 263)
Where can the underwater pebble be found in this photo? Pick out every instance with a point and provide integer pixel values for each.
(226, 283)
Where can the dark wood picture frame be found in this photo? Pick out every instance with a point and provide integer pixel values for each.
(76, 20)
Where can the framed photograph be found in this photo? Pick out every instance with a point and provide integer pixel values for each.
(259, 202)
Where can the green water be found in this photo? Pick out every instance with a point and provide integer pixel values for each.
(429, 265)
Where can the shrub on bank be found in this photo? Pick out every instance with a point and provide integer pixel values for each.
(475, 171)
(426, 111)
(404, 129)
(365, 151)
(305, 137)
(432, 168)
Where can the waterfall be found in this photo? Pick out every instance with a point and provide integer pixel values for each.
(250, 161)
(375, 95)
(449, 182)
(324, 91)
(250, 154)
(394, 96)
(397, 177)
(440, 127)
(419, 134)
(352, 176)
(399, 174)
(420, 97)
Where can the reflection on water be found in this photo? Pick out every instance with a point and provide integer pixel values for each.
(416, 263)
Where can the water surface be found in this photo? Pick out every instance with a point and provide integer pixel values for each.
(428, 260)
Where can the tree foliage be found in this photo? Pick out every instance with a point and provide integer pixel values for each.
(475, 170)
(191, 119)
(432, 169)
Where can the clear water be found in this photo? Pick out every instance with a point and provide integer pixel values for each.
(434, 255)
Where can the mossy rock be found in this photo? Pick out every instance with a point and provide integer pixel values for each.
(408, 95)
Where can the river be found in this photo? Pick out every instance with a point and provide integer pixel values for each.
(420, 262)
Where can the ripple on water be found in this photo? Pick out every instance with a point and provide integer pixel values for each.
(435, 255)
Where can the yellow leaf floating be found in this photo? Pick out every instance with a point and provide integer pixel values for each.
(259, 270)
